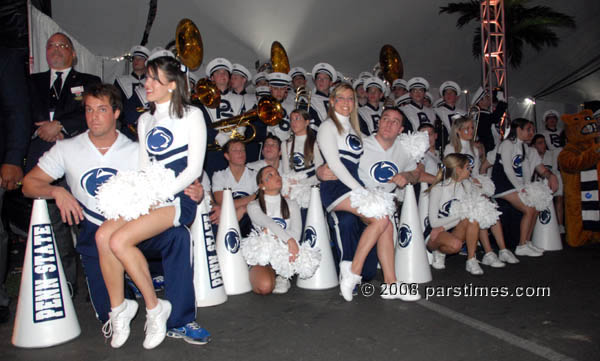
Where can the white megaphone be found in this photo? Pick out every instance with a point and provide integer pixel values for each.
(45, 314)
(208, 279)
(233, 266)
(411, 263)
(424, 216)
(546, 234)
(316, 233)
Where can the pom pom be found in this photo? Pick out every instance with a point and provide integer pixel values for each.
(536, 195)
(476, 207)
(308, 261)
(262, 248)
(485, 186)
(373, 203)
(130, 194)
(416, 143)
(296, 186)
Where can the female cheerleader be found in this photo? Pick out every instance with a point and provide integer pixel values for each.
(461, 141)
(174, 134)
(273, 212)
(341, 145)
(448, 231)
(515, 162)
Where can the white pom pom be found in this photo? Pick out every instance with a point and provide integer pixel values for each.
(130, 194)
(485, 186)
(308, 261)
(296, 186)
(416, 143)
(257, 248)
(536, 195)
(476, 207)
(373, 203)
(280, 261)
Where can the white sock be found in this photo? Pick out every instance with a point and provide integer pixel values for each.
(155, 311)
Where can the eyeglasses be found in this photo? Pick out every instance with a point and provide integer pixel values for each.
(58, 45)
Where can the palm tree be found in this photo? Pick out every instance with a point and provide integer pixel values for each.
(531, 25)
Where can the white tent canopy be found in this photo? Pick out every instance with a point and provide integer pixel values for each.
(346, 33)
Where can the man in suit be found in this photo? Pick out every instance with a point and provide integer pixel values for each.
(15, 126)
(57, 113)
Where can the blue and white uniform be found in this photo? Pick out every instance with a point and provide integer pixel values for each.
(441, 197)
(369, 117)
(445, 113)
(224, 179)
(342, 154)
(550, 161)
(261, 163)
(284, 229)
(282, 130)
(555, 139)
(320, 103)
(133, 96)
(418, 114)
(178, 144)
(470, 151)
(298, 158)
(85, 169)
(514, 166)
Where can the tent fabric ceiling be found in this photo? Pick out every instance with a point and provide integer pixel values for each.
(346, 33)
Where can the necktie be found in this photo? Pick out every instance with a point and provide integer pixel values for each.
(55, 91)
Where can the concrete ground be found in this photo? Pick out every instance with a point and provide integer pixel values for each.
(320, 325)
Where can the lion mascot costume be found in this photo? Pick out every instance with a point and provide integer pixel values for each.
(579, 163)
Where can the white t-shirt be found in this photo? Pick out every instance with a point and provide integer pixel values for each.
(225, 179)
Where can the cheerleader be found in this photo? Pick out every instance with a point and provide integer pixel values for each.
(511, 173)
(341, 145)
(461, 141)
(172, 133)
(550, 160)
(449, 232)
(271, 211)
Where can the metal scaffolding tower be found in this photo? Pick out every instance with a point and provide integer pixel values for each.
(493, 46)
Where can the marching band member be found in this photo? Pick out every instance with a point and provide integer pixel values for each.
(415, 113)
(511, 173)
(238, 83)
(219, 70)
(174, 135)
(342, 157)
(132, 91)
(281, 216)
(399, 88)
(487, 119)
(370, 113)
(461, 141)
(428, 100)
(298, 77)
(260, 79)
(241, 180)
(449, 232)
(279, 84)
(445, 110)
(323, 76)
(361, 94)
(555, 137)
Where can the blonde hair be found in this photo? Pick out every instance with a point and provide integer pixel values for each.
(353, 115)
(448, 170)
(455, 137)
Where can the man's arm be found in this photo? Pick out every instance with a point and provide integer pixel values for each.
(37, 184)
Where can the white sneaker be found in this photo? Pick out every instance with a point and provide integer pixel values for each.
(156, 326)
(505, 255)
(490, 259)
(118, 324)
(282, 285)
(347, 280)
(399, 291)
(524, 250)
(534, 247)
(472, 266)
(439, 260)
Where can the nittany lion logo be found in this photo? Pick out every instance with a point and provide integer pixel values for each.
(237, 195)
(159, 139)
(383, 171)
(298, 159)
(471, 161)
(404, 235)
(92, 179)
(445, 209)
(310, 236)
(284, 124)
(423, 119)
(545, 216)
(232, 240)
(353, 142)
(281, 222)
(517, 165)
(427, 227)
